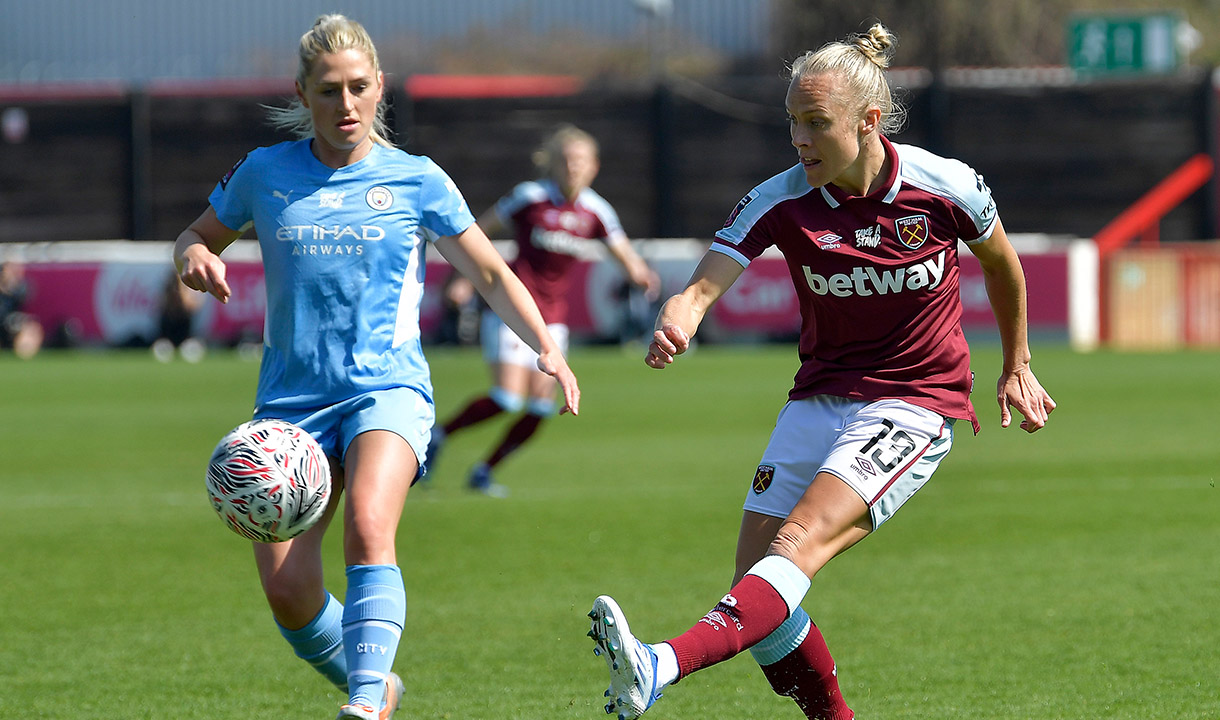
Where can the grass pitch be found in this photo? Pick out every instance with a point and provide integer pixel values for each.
(1069, 574)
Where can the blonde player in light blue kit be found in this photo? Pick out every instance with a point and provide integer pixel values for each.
(342, 219)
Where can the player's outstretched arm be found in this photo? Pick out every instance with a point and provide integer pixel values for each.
(681, 315)
(1005, 282)
(197, 255)
(638, 272)
(473, 255)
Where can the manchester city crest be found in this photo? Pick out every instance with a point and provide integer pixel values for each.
(379, 197)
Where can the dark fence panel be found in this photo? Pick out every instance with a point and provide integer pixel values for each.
(68, 178)
(485, 144)
(675, 158)
(194, 140)
(722, 141)
(1070, 159)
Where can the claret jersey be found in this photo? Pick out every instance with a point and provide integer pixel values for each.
(876, 276)
(550, 232)
(343, 258)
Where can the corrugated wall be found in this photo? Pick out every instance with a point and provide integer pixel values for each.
(141, 40)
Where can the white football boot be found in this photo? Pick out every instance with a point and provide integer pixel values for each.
(633, 664)
(393, 697)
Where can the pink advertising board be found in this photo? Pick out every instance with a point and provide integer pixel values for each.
(117, 302)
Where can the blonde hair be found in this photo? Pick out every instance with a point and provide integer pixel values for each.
(861, 61)
(545, 156)
(330, 34)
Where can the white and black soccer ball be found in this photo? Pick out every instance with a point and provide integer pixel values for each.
(269, 480)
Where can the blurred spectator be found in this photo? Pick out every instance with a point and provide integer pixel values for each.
(177, 330)
(18, 330)
(639, 311)
(461, 311)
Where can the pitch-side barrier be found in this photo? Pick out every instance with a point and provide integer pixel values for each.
(109, 292)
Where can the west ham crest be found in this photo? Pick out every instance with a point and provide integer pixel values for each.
(912, 230)
(763, 478)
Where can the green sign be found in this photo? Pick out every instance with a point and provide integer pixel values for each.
(1124, 44)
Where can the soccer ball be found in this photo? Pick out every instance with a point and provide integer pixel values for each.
(269, 480)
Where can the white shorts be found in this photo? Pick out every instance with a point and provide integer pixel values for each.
(501, 344)
(884, 450)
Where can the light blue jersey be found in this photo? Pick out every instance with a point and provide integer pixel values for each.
(343, 257)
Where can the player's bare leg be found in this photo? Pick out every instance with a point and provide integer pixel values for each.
(794, 658)
(380, 467)
(829, 518)
(308, 617)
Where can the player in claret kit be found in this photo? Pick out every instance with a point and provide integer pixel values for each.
(343, 218)
(551, 220)
(870, 231)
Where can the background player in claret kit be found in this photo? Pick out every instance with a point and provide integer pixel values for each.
(550, 219)
(869, 230)
(343, 218)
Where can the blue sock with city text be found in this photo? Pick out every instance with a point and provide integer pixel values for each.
(373, 616)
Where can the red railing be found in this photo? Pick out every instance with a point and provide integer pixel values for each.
(1142, 219)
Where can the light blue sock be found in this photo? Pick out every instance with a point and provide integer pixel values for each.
(373, 616)
(320, 643)
(784, 640)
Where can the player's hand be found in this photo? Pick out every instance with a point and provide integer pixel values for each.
(651, 285)
(554, 364)
(1021, 390)
(667, 343)
(202, 270)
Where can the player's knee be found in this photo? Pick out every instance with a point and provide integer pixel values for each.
(292, 599)
(368, 539)
(508, 401)
(790, 540)
(812, 542)
(799, 543)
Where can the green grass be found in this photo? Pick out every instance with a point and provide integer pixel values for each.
(1070, 574)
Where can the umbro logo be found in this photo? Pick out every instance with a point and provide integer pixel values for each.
(829, 241)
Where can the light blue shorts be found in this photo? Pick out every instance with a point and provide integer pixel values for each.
(401, 410)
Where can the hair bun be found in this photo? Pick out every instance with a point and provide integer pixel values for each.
(877, 45)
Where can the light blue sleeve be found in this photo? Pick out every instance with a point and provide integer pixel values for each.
(443, 210)
(231, 196)
(958, 183)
